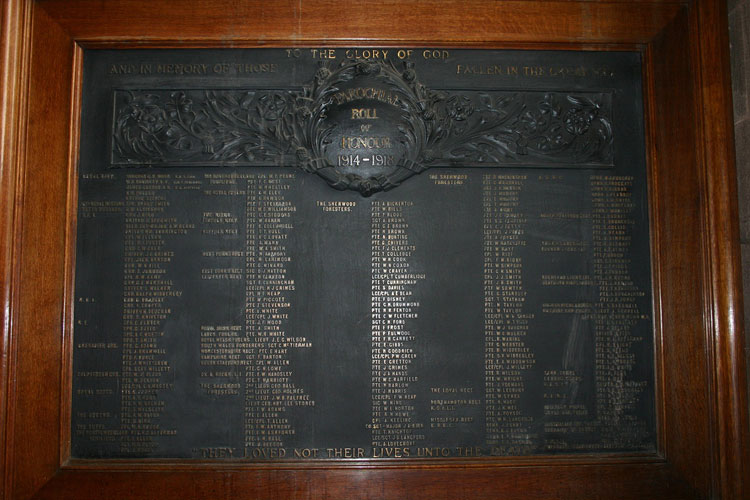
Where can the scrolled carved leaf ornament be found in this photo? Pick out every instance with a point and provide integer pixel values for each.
(362, 125)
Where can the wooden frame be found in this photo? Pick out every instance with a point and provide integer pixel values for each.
(703, 428)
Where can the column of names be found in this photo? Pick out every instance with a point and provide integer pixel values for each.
(506, 322)
(394, 417)
(269, 386)
(146, 290)
(616, 313)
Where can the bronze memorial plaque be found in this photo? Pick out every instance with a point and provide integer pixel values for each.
(299, 254)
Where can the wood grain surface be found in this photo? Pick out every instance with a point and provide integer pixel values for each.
(702, 400)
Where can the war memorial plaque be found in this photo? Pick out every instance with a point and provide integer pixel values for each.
(295, 254)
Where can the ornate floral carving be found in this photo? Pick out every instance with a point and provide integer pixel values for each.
(435, 128)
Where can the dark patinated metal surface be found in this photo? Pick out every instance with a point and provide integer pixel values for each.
(361, 253)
